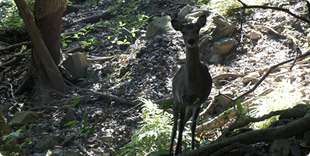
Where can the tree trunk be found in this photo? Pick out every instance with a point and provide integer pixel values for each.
(46, 54)
(48, 15)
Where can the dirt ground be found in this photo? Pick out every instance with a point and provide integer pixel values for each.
(151, 72)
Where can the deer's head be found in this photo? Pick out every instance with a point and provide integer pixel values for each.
(190, 31)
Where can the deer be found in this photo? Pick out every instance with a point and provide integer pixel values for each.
(192, 83)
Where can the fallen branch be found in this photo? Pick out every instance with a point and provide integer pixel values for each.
(106, 15)
(15, 46)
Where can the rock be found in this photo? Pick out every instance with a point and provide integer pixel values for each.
(40, 128)
(223, 46)
(196, 14)
(254, 35)
(159, 26)
(203, 44)
(215, 58)
(295, 150)
(91, 74)
(48, 142)
(107, 70)
(70, 152)
(279, 78)
(6, 108)
(188, 14)
(68, 140)
(158, 38)
(308, 37)
(223, 28)
(69, 117)
(220, 48)
(222, 100)
(24, 118)
(75, 66)
(184, 12)
(280, 147)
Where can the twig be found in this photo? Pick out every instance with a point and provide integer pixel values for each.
(15, 46)
(243, 4)
(15, 59)
(308, 6)
(268, 72)
(274, 8)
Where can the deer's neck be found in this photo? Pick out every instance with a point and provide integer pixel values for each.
(192, 63)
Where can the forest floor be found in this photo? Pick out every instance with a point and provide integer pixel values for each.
(145, 68)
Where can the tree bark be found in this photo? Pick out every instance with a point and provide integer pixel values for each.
(46, 54)
(297, 127)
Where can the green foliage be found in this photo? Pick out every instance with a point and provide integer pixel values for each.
(154, 132)
(228, 7)
(9, 17)
(88, 130)
(75, 101)
(127, 22)
(83, 32)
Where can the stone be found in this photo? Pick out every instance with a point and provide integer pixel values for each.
(75, 66)
(223, 46)
(184, 12)
(280, 147)
(279, 78)
(223, 27)
(48, 142)
(215, 58)
(254, 35)
(24, 118)
(159, 26)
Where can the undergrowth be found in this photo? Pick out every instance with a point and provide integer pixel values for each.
(153, 133)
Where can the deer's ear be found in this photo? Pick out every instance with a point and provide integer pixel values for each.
(176, 25)
(201, 21)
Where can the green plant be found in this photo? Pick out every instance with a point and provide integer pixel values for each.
(83, 32)
(154, 132)
(9, 17)
(127, 22)
(84, 129)
(75, 101)
(87, 130)
(284, 96)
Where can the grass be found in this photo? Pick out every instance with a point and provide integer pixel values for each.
(153, 134)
